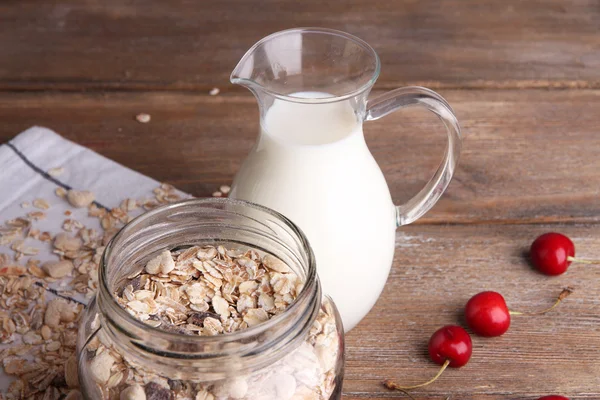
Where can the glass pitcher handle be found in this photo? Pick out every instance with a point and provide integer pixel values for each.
(420, 96)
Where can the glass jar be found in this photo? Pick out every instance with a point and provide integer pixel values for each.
(297, 354)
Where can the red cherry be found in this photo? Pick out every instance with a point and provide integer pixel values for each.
(450, 343)
(487, 314)
(449, 346)
(554, 397)
(552, 253)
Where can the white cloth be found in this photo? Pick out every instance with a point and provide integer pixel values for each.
(24, 162)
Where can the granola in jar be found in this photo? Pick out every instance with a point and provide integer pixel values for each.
(211, 321)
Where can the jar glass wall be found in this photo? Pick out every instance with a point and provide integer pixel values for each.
(296, 354)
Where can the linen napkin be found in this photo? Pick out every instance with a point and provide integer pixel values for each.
(25, 162)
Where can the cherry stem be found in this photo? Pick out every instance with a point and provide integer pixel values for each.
(563, 295)
(388, 383)
(582, 261)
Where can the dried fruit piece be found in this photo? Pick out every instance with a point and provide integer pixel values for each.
(156, 392)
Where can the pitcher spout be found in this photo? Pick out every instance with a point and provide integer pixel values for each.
(242, 73)
(263, 67)
(290, 63)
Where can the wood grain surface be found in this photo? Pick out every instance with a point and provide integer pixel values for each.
(436, 270)
(182, 44)
(528, 156)
(522, 77)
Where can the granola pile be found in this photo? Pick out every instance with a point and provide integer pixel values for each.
(207, 291)
(40, 303)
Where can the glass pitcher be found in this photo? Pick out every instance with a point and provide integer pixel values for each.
(311, 162)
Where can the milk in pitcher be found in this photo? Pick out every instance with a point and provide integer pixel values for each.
(311, 163)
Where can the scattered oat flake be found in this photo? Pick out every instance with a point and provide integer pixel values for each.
(72, 225)
(36, 215)
(143, 118)
(214, 91)
(41, 204)
(56, 172)
(225, 189)
(25, 204)
(80, 198)
(61, 192)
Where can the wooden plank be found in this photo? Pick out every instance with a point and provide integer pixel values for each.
(436, 270)
(155, 45)
(528, 156)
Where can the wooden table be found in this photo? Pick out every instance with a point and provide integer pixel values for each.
(523, 78)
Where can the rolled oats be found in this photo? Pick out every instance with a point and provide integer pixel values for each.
(41, 204)
(74, 395)
(46, 332)
(58, 269)
(196, 291)
(71, 372)
(133, 392)
(100, 367)
(204, 395)
(53, 346)
(80, 198)
(208, 291)
(46, 366)
(63, 242)
(56, 171)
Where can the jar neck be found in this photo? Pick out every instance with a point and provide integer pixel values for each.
(198, 222)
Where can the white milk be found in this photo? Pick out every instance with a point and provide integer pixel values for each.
(311, 163)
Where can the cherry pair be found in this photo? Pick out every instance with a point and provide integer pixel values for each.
(551, 253)
(451, 346)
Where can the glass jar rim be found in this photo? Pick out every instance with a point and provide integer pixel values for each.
(311, 284)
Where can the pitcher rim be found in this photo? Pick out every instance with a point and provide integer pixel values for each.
(367, 86)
